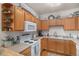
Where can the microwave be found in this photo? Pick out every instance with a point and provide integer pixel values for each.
(30, 26)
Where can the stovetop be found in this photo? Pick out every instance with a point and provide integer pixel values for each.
(30, 41)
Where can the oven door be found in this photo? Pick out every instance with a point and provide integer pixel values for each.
(35, 50)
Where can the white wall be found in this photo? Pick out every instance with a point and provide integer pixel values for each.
(64, 13)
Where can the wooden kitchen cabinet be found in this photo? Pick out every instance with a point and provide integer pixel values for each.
(44, 25)
(52, 45)
(72, 48)
(60, 46)
(67, 47)
(69, 23)
(44, 43)
(26, 52)
(38, 24)
(52, 22)
(28, 16)
(19, 19)
(77, 22)
(59, 22)
(44, 53)
(7, 17)
(55, 22)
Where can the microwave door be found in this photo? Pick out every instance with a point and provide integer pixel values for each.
(30, 26)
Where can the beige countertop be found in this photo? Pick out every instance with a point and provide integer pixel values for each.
(8, 52)
(22, 46)
(19, 47)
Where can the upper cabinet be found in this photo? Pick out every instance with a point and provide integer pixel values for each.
(55, 22)
(59, 22)
(77, 23)
(29, 16)
(7, 17)
(44, 24)
(52, 22)
(19, 19)
(38, 24)
(69, 23)
(13, 18)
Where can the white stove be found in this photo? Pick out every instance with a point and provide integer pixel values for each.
(34, 47)
(33, 42)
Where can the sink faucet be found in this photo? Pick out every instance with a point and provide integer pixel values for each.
(70, 35)
(55, 34)
(77, 37)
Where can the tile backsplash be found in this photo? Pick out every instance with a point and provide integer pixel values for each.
(3, 35)
(60, 31)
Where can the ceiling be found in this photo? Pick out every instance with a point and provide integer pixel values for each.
(43, 8)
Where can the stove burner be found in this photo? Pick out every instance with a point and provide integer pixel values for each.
(35, 40)
(28, 42)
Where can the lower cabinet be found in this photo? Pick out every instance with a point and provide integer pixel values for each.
(44, 43)
(72, 48)
(65, 47)
(51, 45)
(26, 52)
(44, 53)
(60, 46)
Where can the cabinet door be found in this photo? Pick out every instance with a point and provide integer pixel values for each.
(19, 19)
(26, 52)
(67, 47)
(44, 43)
(72, 48)
(44, 25)
(52, 22)
(77, 23)
(52, 45)
(60, 46)
(69, 23)
(44, 53)
(59, 22)
(28, 16)
(38, 24)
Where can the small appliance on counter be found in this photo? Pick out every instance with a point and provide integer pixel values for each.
(40, 33)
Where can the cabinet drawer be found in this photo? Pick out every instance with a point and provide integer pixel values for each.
(27, 54)
(27, 51)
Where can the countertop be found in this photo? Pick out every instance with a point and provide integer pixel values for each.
(22, 46)
(61, 38)
(8, 52)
